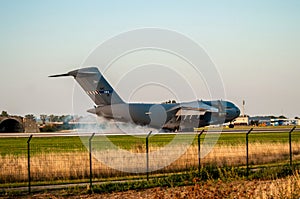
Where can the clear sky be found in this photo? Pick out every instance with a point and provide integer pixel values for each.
(254, 44)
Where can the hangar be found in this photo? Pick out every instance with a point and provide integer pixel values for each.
(11, 124)
(17, 124)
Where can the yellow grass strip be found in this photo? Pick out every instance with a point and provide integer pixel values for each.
(75, 165)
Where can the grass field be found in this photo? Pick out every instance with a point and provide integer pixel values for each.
(18, 146)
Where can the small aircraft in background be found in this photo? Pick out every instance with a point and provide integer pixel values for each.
(170, 116)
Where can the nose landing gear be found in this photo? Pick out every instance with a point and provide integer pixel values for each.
(231, 125)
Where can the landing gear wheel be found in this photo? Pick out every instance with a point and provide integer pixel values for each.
(231, 126)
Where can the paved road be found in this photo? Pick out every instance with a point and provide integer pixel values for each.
(211, 130)
(36, 188)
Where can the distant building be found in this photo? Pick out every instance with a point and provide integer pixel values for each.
(17, 124)
(30, 126)
(284, 122)
(260, 120)
(242, 120)
(11, 124)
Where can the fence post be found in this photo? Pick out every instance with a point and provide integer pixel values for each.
(147, 154)
(90, 154)
(247, 151)
(28, 163)
(290, 145)
(199, 152)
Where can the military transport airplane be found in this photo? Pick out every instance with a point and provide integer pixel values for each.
(168, 116)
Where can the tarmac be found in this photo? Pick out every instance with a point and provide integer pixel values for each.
(104, 133)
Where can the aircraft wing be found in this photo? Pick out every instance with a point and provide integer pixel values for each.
(193, 108)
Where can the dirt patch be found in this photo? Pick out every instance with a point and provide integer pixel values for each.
(282, 188)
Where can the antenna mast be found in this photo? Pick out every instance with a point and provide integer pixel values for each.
(243, 108)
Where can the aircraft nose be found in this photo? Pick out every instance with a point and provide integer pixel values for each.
(238, 112)
(233, 113)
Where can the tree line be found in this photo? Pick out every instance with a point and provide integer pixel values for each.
(44, 118)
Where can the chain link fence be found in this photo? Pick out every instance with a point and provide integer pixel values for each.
(98, 158)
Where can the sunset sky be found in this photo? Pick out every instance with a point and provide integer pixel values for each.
(254, 45)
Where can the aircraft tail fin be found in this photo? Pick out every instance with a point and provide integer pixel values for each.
(95, 85)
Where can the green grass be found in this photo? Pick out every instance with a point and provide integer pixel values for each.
(18, 146)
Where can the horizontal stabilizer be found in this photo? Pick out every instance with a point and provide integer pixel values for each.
(95, 85)
(60, 75)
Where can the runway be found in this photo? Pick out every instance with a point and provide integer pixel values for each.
(106, 133)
